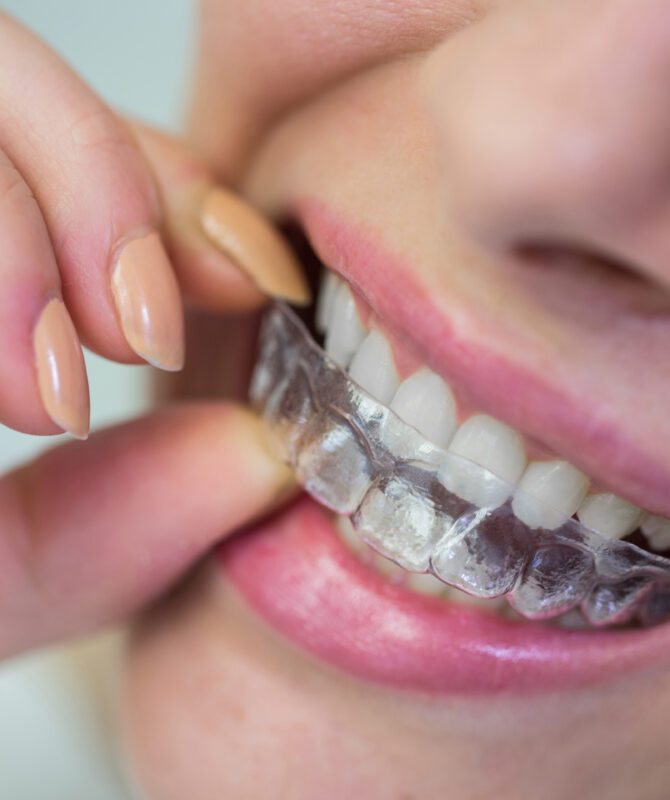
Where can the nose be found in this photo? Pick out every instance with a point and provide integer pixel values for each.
(553, 128)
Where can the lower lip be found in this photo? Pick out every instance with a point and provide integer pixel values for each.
(298, 575)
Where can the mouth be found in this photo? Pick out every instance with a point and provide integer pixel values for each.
(447, 550)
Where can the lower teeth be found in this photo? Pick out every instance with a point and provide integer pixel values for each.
(355, 456)
(427, 584)
(420, 582)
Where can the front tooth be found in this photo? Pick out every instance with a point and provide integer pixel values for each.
(425, 583)
(491, 604)
(572, 620)
(425, 401)
(492, 445)
(609, 515)
(657, 531)
(373, 368)
(388, 568)
(348, 534)
(324, 306)
(548, 493)
(345, 331)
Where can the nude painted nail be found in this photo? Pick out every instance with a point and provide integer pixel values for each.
(61, 371)
(245, 236)
(148, 302)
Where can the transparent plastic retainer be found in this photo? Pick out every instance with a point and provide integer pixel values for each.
(357, 457)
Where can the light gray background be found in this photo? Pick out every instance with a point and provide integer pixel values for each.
(136, 54)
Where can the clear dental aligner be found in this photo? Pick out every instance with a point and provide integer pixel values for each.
(358, 458)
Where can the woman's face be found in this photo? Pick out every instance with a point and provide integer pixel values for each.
(491, 180)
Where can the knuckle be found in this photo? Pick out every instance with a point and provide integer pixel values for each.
(101, 142)
(98, 131)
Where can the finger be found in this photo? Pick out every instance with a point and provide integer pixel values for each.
(43, 385)
(90, 532)
(98, 200)
(226, 255)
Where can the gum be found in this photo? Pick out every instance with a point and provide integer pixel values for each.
(357, 457)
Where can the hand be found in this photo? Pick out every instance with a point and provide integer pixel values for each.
(103, 227)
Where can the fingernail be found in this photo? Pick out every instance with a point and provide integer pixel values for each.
(61, 371)
(245, 236)
(148, 302)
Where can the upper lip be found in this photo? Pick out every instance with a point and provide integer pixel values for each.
(568, 420)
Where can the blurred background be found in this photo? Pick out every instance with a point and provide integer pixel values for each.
(53, 735)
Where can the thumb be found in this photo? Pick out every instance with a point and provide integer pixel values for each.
(89, 531)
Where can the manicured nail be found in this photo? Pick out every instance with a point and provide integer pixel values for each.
(61, 371)
(245, 236)
(148, 302)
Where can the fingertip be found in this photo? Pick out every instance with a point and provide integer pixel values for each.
(257, 248)
(61, 370)
(227, 255)
(148, 302)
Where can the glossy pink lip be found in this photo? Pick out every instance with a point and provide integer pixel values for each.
(296, 573)
(568, 420)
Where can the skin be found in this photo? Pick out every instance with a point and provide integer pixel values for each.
(287, 102)
(311, 116)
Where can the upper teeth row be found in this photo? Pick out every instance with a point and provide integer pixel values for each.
(550, 490)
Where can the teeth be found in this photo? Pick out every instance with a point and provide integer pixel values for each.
(355, 456)
(425, 401)
(425, 583)
(657, 531)
(422, 583)
(548, 492)
(492, 604)
(389, 568)
(345, 332)
(373, 368)
(324, 306)
(348, 535)
(609, 515)
(494, 446)
(571, 620)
